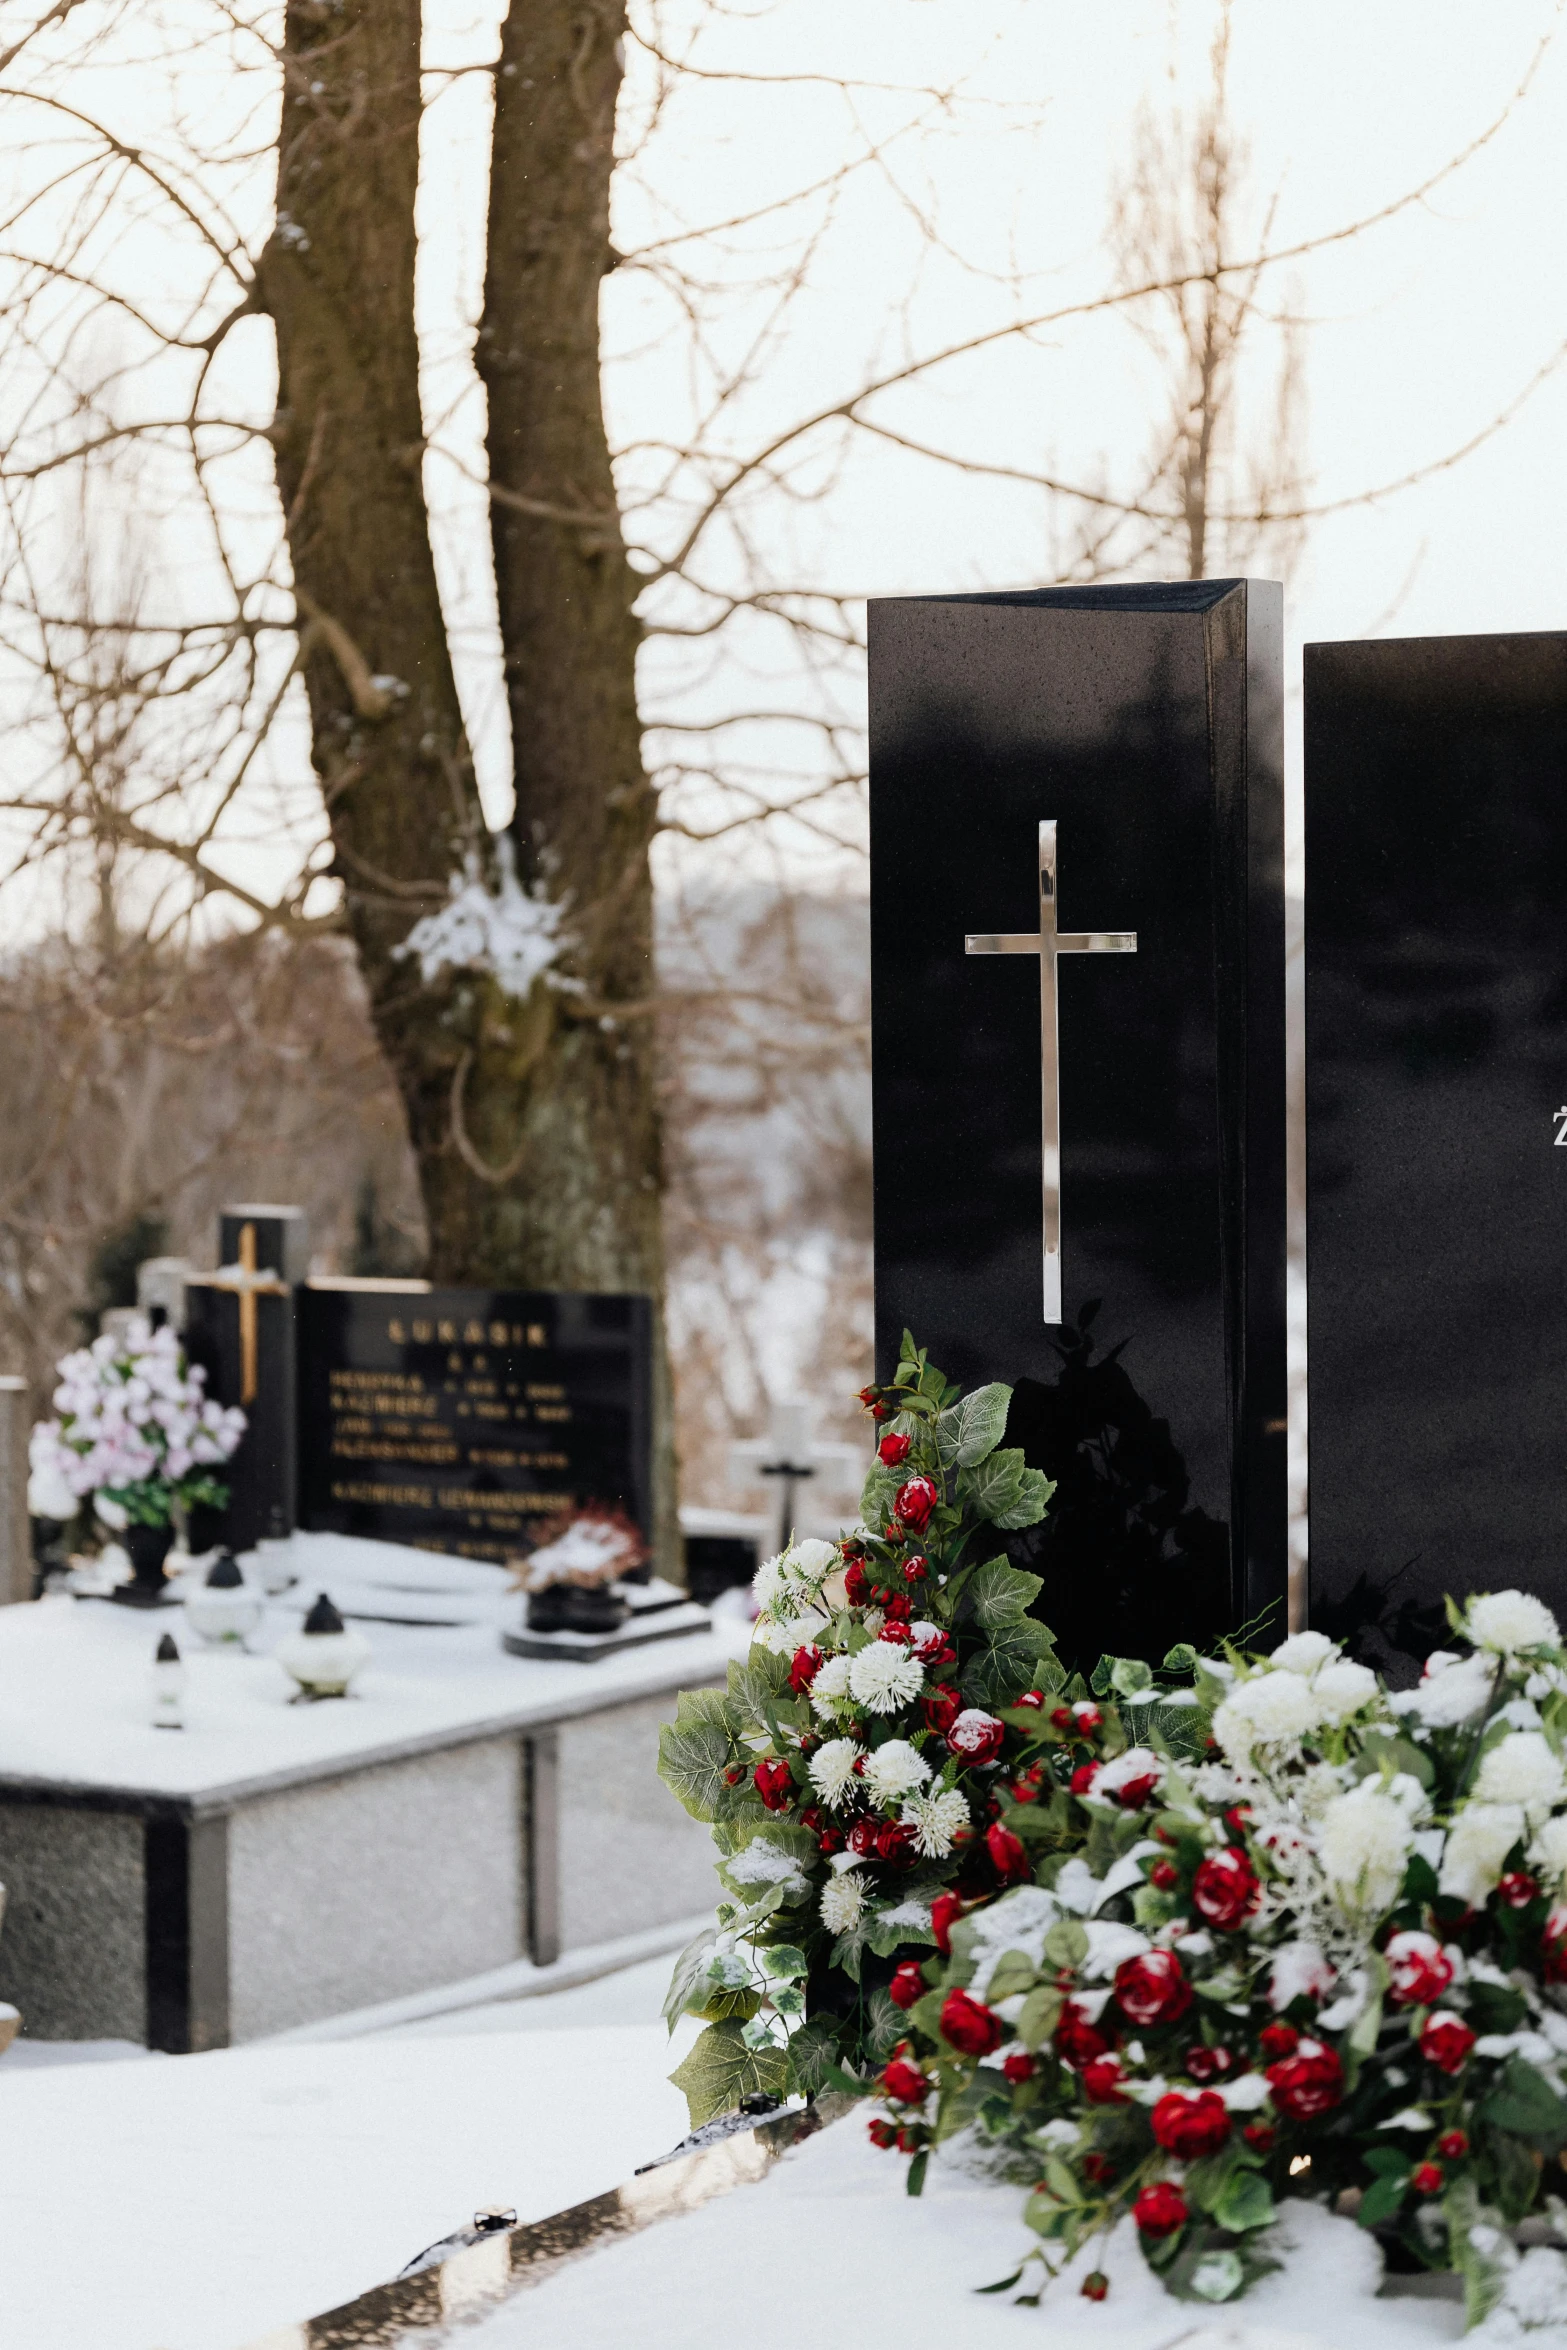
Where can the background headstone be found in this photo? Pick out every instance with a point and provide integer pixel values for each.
(239, 1325)
(1436, 1071)
(464, 1419)
(1146, 723)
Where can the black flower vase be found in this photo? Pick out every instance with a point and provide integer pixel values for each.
(147, 1547)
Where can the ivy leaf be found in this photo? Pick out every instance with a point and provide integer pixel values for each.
(993, 1485)
(785, 1963)
(758, 1683)
(721, 2069)
(884, 2026)
(812, 2054)
(690, 1972)
(880, 1490)
(967, 1431)
(998, 1594)
(693, 1751)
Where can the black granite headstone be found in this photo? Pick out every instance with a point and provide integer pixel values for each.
(1145, 725)
(1436, 1026)
(464, 1419)
(239, 1325)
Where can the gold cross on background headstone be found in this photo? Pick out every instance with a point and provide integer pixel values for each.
(1047, 943)
(243, 1280)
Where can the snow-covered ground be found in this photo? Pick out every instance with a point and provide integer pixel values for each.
(199, 2202)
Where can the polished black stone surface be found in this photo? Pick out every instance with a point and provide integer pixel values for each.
(463, 1419)
(262, 1477)
(1146, 721)
(1436, 1025)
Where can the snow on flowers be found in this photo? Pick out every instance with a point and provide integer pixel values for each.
(134, 1430)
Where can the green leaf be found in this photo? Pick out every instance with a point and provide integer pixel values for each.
(917, 2168)
(690, 1972)
(693, 1751)
(1387, 2162)
(1014, 1972)
(879, 1492)
(1041, 2012)
(884, 2026)
(1031, 1504)
(812, 2053)
(1527, 2105)
(784, 1963)
(1129, 1675)
(721, 2069)
(1496, 2007)
(1066, 1944)
(1245, 2202)
(1182, 1658)
(1382, 2200)
(757, 1684)
(1019, 1655)
(993, 1484)
(997, 1594)
(974, 1427)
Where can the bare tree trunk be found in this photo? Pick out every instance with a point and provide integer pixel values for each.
(534, 1119)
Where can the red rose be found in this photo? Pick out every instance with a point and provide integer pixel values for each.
(945, 1912)
(1160, 2209)
(1238, 1819)
(1132, 1794)
(941, 1709)
(1007, 1853)
(1165, 1875)
(1190, 2127)
(1095, 2285)
(1101, 2081)
(1063, 1718)
(907, 1985)
(1225, 1889)
(1152, 1989)
(1209, 2064)
(733, 1777)
(1428, 2178)
(1259, 2137)
(975, 1737)
(969, 2024)
(1308, 2083)
(808, 1662)
(1099, 2169)
(1019, 2066)
(899, 1610)
(869, 1395)
(1554, 1946)
(893, 1451)
(830, 1840)
(1084, 1776)
(1419, 1970)
(1025, 1787)
(1518, 1889)
(916, 1568)
(856, 1584)
(904, 2083)
(881, 2133)
(1087, 1716)
(911, 2140)
(774, 1783)
(1446, 2041)
(1077, 2040)
(1276, 2040)
(915, 1502)
(896, 1631)
(1033, 1698)
(895, 1841)
(1452, 2145)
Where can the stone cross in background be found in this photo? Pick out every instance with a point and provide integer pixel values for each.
(239, 1325)
(807, 1481)
(1145, 724)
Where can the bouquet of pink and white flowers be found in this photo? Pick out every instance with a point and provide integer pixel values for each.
(134, 1432)
(1328, 1959)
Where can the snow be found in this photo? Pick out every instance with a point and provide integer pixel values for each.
(511, 933)
(75, 1701)
(202, 2202)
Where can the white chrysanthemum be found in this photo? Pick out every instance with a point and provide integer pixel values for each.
(885, 1677)
(937, 1821)
(1522, 1769)
(1341, 1689)
(1300, 1969)
(1408, 1793)
(1549, 1851)
(843, 1901)
(895, 1769)
(767, 1583)
(785, 1634)
(830, 1685)
(810, 1562)
(1455, 1689)
(832, 1768)
(1478, 1843)
(1319, 1786)
(1363, 1843)
(1271, 1709)
(1302, 1652)
(1506, 1621)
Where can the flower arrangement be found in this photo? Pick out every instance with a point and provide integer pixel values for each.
(134, 1432)
(849, 1770)
(585, 1548)
(1329, 1959)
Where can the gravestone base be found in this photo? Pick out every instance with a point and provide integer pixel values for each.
(658, 1611)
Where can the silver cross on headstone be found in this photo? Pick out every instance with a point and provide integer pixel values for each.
(1047, 943)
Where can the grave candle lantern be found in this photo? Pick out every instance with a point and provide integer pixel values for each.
(324, 1655)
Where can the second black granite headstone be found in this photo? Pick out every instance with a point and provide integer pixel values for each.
(1079, 1149)
(1436, 1028)
(464, 1419)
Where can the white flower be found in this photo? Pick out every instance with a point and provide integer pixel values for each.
(895, 1769)
(1406, 1789)
(1271, 1709)
(843, 1901)
(1341, 1689)
(832, 1768)
(885, 1677)
(785, 1634)
(1478, 1842)
(1453, 1691)
(831, 1685)
(767, 1584)
(1549, 1851)
(1299, 1970)
(1363, 1843)
(1522, 1769)
(937, 1821)
(1506, 1621)
(1302, 1652)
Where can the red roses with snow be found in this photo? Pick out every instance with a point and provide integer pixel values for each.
(1078, 2040)
(969, 2024)
(1225, 1889)
(1190, 2125)
(893, 1450)
(975, 1736)
(907, 1985)
(1308, 2083)
(1160, 2209)
(1446, 2041)
(1418, 1968)
(915, 1503)
(1007, 1854)
(904, 2083)
(1152, 1989)
(774, 1783)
